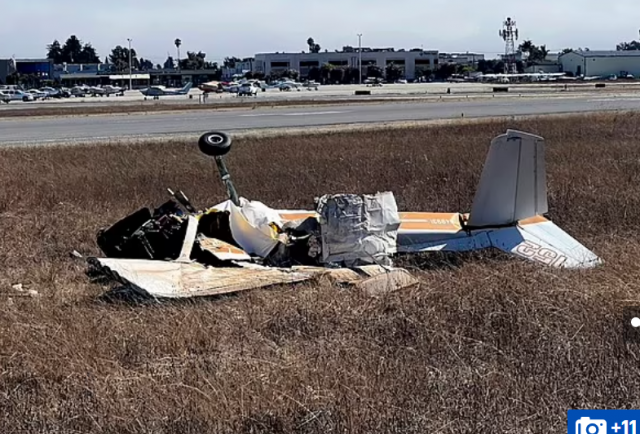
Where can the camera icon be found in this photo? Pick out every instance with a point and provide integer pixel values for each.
(586, 425)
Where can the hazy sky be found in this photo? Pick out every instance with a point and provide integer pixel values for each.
(285, 25)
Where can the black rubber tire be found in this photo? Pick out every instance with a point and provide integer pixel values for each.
(214, 143)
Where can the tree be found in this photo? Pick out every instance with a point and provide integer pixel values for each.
(445, 70)
(169, 63)
(54, 51)
(193, 61)
(374, 71)
(534, 53)
(230, 62)
(350, 75)
(336, 75)
(628, 46)
(177, 43)
(145, 64)
(490, 66)
(392, 72)
(325, 71)
(314, 74)
(88, 54)
(313, 47)
(566, 50)
(254, 75)
(290, 74)
(119, 57)
(73, 51)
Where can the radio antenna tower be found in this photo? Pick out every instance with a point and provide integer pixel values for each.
(509, 33)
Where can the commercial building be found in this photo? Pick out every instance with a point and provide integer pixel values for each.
(408, 61)
(103, 74)
(601, 63)
(7, 67)
(42, 68)
(238, 68)
(465, 59)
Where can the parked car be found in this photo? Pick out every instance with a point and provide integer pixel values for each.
(17, 95)
(38, 94)
(250, 89)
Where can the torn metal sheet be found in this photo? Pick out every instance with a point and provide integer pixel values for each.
(189, 239)
(222, 250)
(168, 279)
(358, 229)
(252, 227)
(172, 279)
(387, 281)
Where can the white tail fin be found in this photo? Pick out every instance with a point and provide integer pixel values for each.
(512, 186)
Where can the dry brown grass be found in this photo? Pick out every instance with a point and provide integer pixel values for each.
(490, 346)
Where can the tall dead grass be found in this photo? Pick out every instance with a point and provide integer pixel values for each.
(489, 345)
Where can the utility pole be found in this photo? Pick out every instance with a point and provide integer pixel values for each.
(130, 66)
(360, 58)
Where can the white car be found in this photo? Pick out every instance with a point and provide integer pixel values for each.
(17, 95)
(38, 94)
(250, 89)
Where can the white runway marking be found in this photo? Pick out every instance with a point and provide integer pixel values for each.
(616, 99)
(293, 114)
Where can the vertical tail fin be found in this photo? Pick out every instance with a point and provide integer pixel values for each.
(512, 186)
(187, 87)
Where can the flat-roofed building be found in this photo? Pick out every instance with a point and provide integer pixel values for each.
(601, 63)
(408, 61)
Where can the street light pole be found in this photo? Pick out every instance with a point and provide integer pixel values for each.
(360, 58)
(130, 66)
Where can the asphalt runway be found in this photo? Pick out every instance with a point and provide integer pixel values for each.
(91, 128)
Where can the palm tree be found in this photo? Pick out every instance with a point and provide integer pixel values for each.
(178, 42)
(543, 51)
(526, 47)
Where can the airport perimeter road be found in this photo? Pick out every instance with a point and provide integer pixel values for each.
(89, 128)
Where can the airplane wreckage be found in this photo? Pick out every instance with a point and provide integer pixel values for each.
(178, 251)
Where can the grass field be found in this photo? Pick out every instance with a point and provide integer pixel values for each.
(487, 344)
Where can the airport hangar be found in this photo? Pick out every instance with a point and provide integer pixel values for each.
(407, 61)
(601, 63)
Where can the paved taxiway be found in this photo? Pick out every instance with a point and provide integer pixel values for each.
(90, 128)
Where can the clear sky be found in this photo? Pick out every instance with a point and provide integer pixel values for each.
(221, 29)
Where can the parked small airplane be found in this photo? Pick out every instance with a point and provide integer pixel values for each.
(533, 76)
(289, 85)
(211, 86)
(105, 90)
(158, 91)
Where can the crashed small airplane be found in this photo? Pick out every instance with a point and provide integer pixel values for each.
(177, 251)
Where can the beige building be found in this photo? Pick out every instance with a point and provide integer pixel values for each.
(601, 63)
(408, 61)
